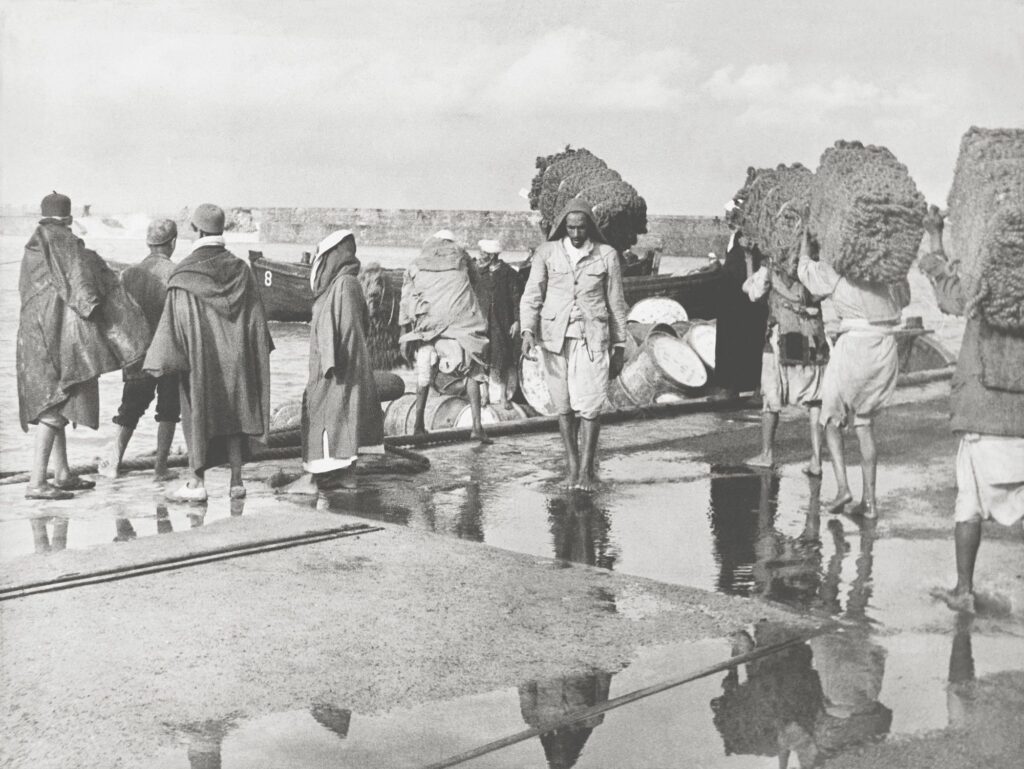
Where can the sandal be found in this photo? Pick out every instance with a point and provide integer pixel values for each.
(47, 492)
(74, 483)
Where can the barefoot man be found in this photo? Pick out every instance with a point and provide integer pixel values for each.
(987, 403)
(861, 374)
(147, 284)
(794, 361)
(445, 326)
(214, 332)
(573, 301)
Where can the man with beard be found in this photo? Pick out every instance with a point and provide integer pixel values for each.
(574, 303)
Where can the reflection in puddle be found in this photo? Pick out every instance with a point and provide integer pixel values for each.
(52, 533)
(802, 707)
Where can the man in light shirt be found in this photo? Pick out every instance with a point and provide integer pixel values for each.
(574, 303)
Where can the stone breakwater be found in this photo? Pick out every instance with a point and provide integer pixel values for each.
(518, 230)
(691, 236)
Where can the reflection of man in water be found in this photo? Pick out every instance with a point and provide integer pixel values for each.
(544, 702)
(782, 694)
(738, 521)
(580, 531)
(41, 537)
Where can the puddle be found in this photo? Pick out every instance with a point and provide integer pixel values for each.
(723, 528)
(819, 699)
(82, 529)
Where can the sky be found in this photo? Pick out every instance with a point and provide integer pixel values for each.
(152, 106)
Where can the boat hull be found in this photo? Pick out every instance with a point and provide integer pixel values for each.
(287, 297)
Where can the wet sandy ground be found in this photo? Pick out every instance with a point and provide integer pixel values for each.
(400, 647)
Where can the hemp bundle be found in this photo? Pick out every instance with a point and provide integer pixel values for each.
(771, 209)
(620, 212)
(866, 213)
(986, 215)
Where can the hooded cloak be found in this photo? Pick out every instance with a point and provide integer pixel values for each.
(742, 324)
(439, 299)
(341, 413)
(76, 323)
(213, 329)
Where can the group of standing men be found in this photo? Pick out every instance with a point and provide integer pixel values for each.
(192, 334)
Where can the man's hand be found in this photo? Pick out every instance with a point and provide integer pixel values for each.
(528, 345)
(933, 221)
(514, 331)
(615, 362)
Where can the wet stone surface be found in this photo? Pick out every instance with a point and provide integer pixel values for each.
(676, 507)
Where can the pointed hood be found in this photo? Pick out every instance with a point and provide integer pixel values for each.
(577, 206)
(339, 259)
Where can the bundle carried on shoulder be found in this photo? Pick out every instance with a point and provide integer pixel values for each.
(986, 216)
(621, 213)
(866, 213)
(770, 211)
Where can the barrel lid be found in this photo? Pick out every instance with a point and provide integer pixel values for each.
(657, 309)
(677, 360)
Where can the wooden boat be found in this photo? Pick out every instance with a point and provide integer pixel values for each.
(287, 296)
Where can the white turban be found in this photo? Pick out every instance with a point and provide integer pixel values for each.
(444, 235)
(490, 246)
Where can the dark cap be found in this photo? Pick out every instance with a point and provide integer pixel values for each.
(209, 218)
(161, 231)
(56, 204)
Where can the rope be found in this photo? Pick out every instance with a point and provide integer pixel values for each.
(627, 699)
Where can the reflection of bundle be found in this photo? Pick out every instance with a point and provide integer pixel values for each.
(382, 302)
(621, 213)
(986, 212)
(772, 208)
(866, 213)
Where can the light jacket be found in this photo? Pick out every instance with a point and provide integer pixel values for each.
(594, 285)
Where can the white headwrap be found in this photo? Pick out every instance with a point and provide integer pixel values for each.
(490, 246)
(322, 248)
(444, 235)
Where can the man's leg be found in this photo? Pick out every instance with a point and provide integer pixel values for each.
(568, 428)
(45, 436)
(473, 391)
(967, 538)
(237, 490)
(869, 469)
(590, 430)
(61, 468)
(814, 466)
(769, 424)
(110, 466)
(164, 439)
(834, 438)
(425, 362)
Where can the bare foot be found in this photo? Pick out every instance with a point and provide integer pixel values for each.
(164, 475)
(837, 505)
(108, 466)
(506, 404)
(868, 510)
(960, 601)
(587, 483)
(419, 430)
(305, 484)
(813, 469)
(480, 437)
(571, 478)
(761, 460)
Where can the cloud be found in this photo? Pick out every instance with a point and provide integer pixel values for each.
(769, 93)
(576, 69)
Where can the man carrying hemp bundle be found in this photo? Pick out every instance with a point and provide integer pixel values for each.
(573, 301)
(214, 331)
(987, 405)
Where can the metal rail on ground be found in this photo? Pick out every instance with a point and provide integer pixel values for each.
(627, 699)
(69, 581)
